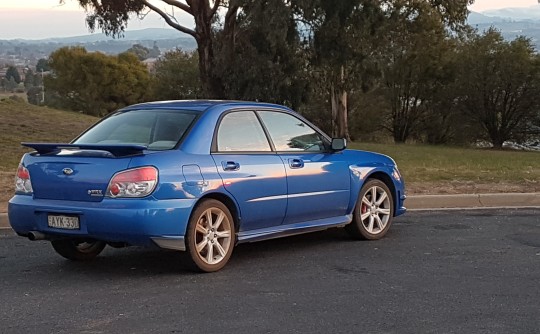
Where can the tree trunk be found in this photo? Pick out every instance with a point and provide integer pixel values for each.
(340, 114)
(205, 49)
(335, 107)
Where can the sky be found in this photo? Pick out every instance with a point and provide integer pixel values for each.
(38, 19)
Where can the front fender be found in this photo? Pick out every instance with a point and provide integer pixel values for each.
(360, 174)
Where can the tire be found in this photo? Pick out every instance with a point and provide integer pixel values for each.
(210, 236)
(377, 213)
(78, 250)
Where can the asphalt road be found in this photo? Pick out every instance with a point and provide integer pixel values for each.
(436, 272)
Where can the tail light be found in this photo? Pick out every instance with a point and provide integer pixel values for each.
(133, 183)
(23, 185)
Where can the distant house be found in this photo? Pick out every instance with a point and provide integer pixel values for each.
(150, 64)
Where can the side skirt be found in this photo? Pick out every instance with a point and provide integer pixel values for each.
(292, 229)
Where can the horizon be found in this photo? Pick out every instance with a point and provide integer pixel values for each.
(53, 20)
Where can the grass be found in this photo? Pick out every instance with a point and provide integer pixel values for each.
(452, 169)
(426, 169)
(20, 122)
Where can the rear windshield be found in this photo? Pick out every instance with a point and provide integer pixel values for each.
(156, 129)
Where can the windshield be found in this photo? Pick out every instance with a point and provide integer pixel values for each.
(156, 129)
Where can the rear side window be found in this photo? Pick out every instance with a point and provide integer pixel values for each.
(241, 131)
(157, 129)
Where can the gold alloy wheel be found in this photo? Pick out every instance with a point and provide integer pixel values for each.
(375, 210)
(213, 236)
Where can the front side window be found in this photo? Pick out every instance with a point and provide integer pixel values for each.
(291, 134)
(156, 129)
(241, 131)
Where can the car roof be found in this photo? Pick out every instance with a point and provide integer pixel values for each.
(201, 105)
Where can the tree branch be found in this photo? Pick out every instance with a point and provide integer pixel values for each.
(180, 5)
(169, 21)
(214, 9)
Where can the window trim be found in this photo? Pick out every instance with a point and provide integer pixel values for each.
(214, 145)
(256, 110)
(172, 110)
(299, 117)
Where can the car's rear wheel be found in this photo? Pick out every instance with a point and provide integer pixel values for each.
(210, 236)
(373, 213)
(78, 250)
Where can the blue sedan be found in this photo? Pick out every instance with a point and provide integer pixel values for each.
(200, 177)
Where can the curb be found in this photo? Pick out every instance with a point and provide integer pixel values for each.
(441, 202)
(4, 222)
(473, 201)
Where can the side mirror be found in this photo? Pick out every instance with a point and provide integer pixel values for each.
(339, 144)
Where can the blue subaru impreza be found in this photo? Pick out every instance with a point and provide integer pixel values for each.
(200, 177)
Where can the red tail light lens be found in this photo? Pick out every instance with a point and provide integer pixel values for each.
(133, 183)
(22, 181)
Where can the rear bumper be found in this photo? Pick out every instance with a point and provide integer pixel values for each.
(143, 222)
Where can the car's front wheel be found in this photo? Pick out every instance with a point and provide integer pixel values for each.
(78, 250)
(373, 212)
(210, 236)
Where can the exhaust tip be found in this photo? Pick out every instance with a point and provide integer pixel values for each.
(34, 235)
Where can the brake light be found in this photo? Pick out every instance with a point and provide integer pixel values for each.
(22, 181)
(133, 183)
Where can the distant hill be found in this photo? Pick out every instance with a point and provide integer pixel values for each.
(512, 22)
(23, 50)
(150, 34)
(516, 14)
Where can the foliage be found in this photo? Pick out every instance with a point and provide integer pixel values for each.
(13, 73)
(11, 85)
(143, 52)
(499, 84)
(176, 76)
(264, 61)
(412, 67)
(94, 83)
(42, 65)
(112, 17)
(416, 59)
(34, 95)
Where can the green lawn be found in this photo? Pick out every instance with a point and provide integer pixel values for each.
(440, 164)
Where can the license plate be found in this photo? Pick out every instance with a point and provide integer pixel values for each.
(64, 222)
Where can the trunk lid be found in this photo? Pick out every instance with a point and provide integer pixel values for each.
(75, 173)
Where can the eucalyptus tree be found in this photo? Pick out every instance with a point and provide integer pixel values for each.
(95, 83)
(264, 59)
(350, 40)
(499, 84)
(112, 17)
(417, 57)
(176, 76)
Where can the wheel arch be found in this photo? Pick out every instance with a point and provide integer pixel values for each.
(386, 179)
(227, 201)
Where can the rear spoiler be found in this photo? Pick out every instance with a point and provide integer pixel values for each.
(116, 150)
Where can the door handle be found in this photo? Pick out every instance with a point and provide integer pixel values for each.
(230, 165)
(296, 163)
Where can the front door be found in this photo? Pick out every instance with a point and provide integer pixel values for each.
(318, 183)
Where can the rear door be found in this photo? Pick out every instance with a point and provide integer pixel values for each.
(252, 173)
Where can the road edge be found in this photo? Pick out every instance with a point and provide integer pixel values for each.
(473, 201)
(441, 202)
